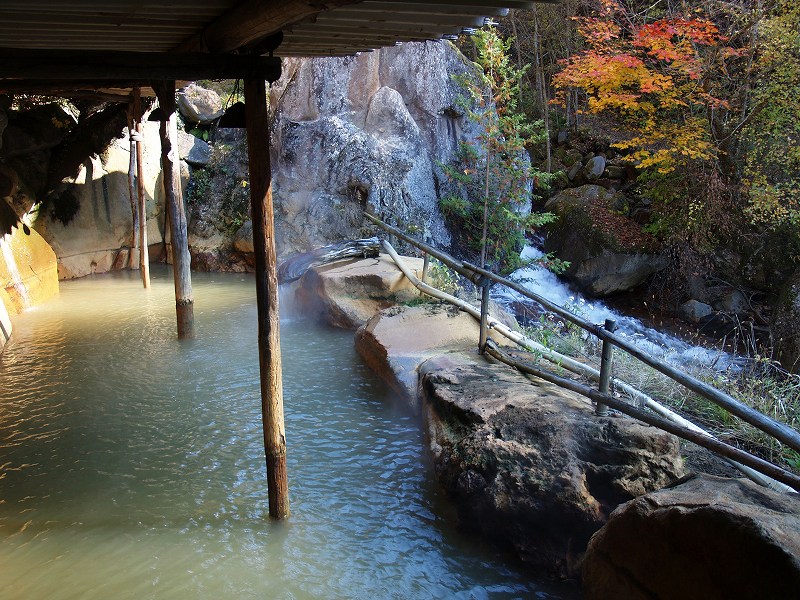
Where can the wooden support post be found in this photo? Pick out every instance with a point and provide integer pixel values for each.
(181, 260)
(144, 254)
(425, 265)
(269, 349)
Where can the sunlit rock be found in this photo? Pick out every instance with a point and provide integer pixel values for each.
(92, 218)
(198, 104)
(365, 132)
(28, 270)
(348, 293)
(397, 340)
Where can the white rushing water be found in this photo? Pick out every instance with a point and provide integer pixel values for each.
(662, 345)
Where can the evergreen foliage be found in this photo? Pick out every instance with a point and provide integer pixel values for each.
(493, 172)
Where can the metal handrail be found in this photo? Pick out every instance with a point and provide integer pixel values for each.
(478, 275)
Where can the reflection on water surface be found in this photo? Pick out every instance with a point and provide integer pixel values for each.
(132, 463)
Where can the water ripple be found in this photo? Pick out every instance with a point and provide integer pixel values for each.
(132, 466)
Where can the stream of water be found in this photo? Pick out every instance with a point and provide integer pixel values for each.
(657, 343)
(131, 464)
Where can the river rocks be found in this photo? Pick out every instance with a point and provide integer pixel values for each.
(347, 294)
(708, 538)
(695, 311)
(530, 464)
(608, 253)
(199, 105)
(28, 270)
(365, 132)
(397, 340)
(594, 167)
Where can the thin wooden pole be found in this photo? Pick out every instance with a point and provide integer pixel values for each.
(144, 254)
(484, 332)
(133, 257)
(181, 259)
(269, 349)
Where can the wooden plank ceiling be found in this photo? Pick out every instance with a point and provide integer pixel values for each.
(46, 43)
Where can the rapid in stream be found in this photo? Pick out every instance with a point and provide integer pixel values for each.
(659, 344)
(132, 466)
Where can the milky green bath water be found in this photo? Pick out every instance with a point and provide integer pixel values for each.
(132, 466)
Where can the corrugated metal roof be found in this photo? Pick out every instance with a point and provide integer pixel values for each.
(49, 46)
(142, 26)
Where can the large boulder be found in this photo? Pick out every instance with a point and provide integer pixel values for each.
(347, 294)
(608, 253)
(198, 104)
(88, 237)
(365, 132)
(708, 538)
(530, 464)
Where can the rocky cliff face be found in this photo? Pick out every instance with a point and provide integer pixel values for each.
(365, 133)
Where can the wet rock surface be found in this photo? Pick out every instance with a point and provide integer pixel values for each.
(347, 294)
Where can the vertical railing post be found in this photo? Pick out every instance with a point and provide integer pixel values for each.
(484, 284)
(606, 360)
(425, 264)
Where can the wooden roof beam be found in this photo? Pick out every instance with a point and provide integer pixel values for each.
(249, 23)
(102, 66)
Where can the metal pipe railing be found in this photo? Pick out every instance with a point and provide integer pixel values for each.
(781, 432)
(706, 441)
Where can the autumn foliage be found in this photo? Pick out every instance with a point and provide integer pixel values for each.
(649, 77)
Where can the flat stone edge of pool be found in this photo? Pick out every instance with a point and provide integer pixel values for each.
(530, 466)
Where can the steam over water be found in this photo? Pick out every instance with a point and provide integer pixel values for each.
(131, 464)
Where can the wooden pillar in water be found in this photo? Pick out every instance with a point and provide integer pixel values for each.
(170, 165)
(144, 255)
(269, 349)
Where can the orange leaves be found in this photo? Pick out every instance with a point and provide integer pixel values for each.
(648, 76)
